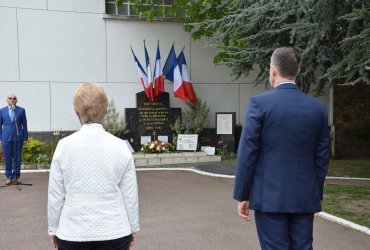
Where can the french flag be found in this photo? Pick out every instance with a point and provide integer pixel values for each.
(189, 91)
(171, 71)
(158, 76)
(143, 78)
(149, 74)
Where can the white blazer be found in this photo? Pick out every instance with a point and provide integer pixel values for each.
(92, 187)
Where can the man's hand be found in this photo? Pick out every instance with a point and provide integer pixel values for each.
(243, 210)
(133, 240)
(24, 142)
(54, 241)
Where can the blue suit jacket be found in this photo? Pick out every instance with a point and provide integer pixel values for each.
(283, 154)
(7, 127)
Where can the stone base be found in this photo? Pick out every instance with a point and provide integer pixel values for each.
(142, 160)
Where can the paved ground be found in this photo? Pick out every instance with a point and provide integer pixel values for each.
(178, 210)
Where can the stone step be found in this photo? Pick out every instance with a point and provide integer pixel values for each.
(142, 160)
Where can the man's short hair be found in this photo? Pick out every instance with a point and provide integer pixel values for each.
(287, 61)
(90, 103)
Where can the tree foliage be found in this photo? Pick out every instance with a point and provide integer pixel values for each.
(195, 119)
(113, 122)
(332, 35)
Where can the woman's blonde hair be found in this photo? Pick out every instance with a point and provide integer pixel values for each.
(90, 103)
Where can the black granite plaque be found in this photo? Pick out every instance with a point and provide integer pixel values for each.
(225, 129)
(150, 118)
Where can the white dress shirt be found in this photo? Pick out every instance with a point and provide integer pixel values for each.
(92, 187)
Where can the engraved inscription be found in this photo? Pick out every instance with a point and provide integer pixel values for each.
(153, 115)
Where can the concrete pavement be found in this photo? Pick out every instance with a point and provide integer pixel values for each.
(178, 210)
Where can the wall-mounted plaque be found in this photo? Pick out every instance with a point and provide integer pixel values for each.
(163, 138)
(224, 124)
(187, 142)
(225, 128)
(145, 139)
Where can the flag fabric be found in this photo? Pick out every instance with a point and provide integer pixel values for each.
(143, 76)
(149, 74)
(188, 87)
(158, 76)
(169, 65)
(171, 71)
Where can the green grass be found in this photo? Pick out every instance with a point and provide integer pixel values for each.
(348, 202)
(342, 168)
(350, 168)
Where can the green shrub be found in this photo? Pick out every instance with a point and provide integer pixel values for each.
(49, 148)
(31, 150)
(43, 159)
(113, 122)
(195, 119)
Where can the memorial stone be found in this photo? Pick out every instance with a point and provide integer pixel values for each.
(150, 118)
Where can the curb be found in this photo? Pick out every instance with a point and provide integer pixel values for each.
(347, 178)
(345, 223)
(188, 170)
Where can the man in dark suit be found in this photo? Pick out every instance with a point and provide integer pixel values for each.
(283, 158)
(13, 134)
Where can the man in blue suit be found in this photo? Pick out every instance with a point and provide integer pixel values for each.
(283, 158)
(13, 134)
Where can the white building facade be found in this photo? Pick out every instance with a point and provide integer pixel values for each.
(48, 47)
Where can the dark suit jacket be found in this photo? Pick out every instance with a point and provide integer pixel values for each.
(7, 127)
(283, 155)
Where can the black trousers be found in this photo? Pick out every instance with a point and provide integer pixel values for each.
(116, 244)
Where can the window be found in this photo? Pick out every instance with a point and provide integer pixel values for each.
(127, 8)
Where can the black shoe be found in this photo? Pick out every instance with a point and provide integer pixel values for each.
(15, 181)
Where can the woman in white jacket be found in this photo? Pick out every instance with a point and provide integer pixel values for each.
(92, 197)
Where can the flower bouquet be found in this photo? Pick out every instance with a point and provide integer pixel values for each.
(158, 147)
(222, 149)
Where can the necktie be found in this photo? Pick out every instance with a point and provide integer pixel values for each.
(11, 115)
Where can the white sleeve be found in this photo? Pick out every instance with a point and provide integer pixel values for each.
(56, 195)
(128, 187)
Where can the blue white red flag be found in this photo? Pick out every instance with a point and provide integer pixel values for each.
(158, 75)
(149, 74)
(171, 71)
(189, 91)
(143, 77)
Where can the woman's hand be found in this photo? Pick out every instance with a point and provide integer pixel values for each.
(54, 241)
(133, 240)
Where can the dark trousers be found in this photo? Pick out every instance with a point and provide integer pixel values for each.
(12, 157)
(116, 244)
(284, 231)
